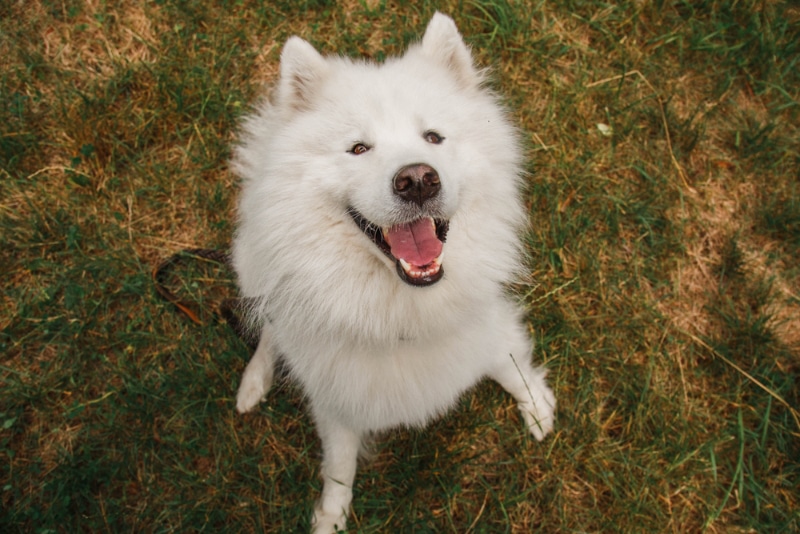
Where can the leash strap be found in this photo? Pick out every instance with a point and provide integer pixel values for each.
(229, 308)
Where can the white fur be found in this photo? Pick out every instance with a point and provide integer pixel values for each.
(370, 351)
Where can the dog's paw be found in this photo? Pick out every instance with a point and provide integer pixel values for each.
(538, 410)
(252, 390)
(326, 522)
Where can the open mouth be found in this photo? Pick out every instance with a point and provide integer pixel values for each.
(415, 247)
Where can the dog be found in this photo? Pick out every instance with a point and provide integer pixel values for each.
(378, 227)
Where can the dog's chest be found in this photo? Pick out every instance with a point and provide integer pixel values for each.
(406, 386)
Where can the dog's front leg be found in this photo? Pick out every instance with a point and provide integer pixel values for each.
(340, 446)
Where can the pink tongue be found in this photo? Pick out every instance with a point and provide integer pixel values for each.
(415, 243)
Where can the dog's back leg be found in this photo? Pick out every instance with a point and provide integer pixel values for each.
(535, 399)
(514, 371)
(257, 377)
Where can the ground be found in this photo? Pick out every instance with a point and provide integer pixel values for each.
(663, 288)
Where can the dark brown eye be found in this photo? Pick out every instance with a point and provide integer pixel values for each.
(433, 137)
(359, 148)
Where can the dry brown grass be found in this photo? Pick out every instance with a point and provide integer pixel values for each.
(663, 287)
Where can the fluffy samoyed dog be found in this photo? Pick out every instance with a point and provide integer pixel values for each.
(378, 224)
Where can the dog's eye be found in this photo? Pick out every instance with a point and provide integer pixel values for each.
(433, 137)
(359, 148)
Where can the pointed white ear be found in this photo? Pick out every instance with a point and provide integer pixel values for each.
(302, 69)
(443, 43)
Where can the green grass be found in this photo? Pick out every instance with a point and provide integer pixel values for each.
(663, 289)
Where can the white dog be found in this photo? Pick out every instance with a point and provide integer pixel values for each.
(378, 224)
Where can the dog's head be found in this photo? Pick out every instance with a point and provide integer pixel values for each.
(405, 151)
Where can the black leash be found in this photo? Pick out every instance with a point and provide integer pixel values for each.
(229, 308)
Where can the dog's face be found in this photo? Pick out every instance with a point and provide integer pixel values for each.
(400, 148)
(396, 160)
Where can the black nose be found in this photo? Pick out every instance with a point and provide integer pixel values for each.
(417, 183)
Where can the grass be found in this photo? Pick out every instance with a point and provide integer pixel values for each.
(663, 291)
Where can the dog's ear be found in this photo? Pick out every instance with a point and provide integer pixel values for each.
(302, 69)
(443, 43)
